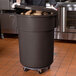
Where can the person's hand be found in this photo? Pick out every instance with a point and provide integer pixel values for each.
(13, 5)
(52, 7)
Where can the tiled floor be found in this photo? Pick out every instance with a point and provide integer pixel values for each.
(64, 60)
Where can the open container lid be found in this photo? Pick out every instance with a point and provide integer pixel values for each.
(38, 8)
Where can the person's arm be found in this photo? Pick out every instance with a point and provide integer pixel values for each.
(52, 2)
(23, 2)
(16, 2)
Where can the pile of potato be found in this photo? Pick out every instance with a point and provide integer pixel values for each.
(38, 13)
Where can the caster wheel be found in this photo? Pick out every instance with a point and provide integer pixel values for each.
(25, 69)
(2, 36)
(40, 71)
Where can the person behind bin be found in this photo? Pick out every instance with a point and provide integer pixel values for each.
(37, 3)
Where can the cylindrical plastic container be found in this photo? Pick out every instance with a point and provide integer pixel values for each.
(36, 40)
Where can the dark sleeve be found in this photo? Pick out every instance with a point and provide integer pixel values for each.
(39, 2)
(52, 2)
(27, 2)
(14, 1)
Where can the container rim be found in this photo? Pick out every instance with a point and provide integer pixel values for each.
(37, 15)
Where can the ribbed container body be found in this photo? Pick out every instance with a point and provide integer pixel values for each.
(36, 40)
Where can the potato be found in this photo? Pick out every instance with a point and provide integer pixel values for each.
(28, 12)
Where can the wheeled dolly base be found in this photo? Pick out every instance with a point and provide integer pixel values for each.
(2, 36)
(39, 70)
